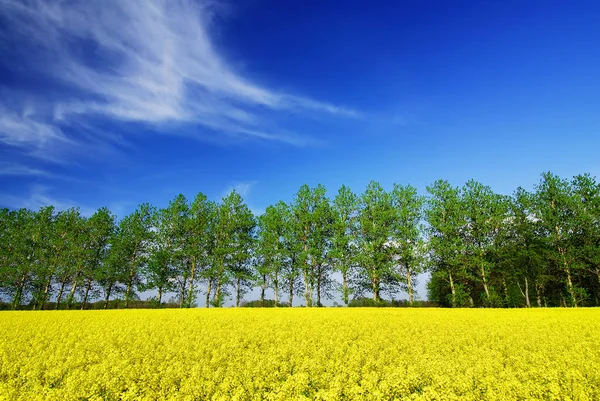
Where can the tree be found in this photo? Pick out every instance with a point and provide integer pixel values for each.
(234, 228)
(556, 208)
(43, 266)
(69, 248)
(18, 264)
(376, 217)
(293, 261)
(167, 260)
(408, 243)
(587, 238)
(446, 219)
(485, 213)
(199, 240)
(243, 247)
(311, 218)
(101, 227)
(270, 248)
(130, 249)
(79, 240)
(345, 209)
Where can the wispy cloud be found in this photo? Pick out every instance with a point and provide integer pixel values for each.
(143, 61)
(241, 187)
(38, 197)
(20, 170)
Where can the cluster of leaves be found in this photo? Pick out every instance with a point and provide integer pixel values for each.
(492, 250)
(482, 248)
(373, 241)
(70, 259)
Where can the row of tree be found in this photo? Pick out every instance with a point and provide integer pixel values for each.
(482, 248)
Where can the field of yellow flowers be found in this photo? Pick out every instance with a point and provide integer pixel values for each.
(298, 354)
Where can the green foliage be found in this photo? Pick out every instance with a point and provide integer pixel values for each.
(383, 303)
(265, 303)
(482, 249)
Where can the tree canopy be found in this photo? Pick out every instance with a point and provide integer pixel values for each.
(481, 249)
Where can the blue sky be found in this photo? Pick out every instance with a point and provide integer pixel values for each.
(116, 103)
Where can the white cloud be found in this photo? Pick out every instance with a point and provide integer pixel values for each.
(24, 130)
(241, 187)
(20, 170)
(38, 197)
(147, 61)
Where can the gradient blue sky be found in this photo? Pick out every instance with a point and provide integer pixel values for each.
(115, 103)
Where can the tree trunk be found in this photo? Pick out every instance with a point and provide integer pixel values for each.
(319, 270)
(19, 293)
(85, 296)
(208, 289)
(409, 285)
(505, 288)
(108, 290)
(276, 289)
(345, 283)
(159, 295)
(375, 288)
(571, 288)
(262, 290)
(485, 286)
(239, 293)
(567, 268)
(217, 298)
(453, 289)
(527, 293)
(72, 292)
(46, 291)
(191, 289)
(182, 295)
(129, 286)
(60, 293)
(307, 296)
(291, 293)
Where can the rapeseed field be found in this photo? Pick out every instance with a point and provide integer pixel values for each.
(301, 354)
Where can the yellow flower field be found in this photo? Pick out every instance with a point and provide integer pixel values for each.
(298, 354)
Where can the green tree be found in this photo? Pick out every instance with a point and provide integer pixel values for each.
(69, 248)
(101, 227)
(233, 243)
(446, 222)
(293, 260)
(270, 248)
(345, 209)
(199, 241)
(311, 222)
(408, 243)
(168, 261)
(42, 250)
(587, 238)
(377, 218)
(18, 265)
(556, 209)
(485, 213)
(130, 248)
(79, 239)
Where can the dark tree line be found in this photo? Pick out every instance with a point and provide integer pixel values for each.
(539, 248)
